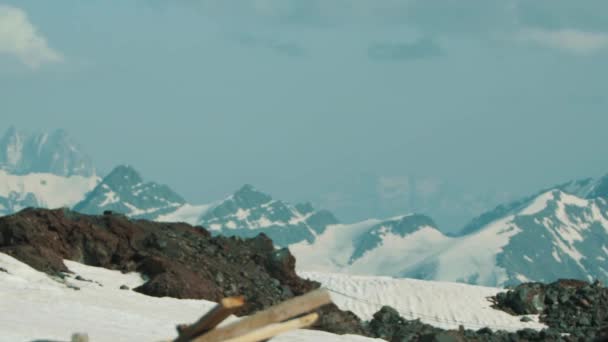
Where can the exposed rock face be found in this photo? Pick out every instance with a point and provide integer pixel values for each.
(388, 325)
(570, 306)
(180, 261)
(526, 299)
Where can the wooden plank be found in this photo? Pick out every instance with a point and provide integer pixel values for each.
(211, 319)
(275, 329)
(278, 313)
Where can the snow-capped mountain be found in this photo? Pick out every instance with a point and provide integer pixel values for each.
(124, 191)
(53, 153)
(378, 247)
(249, 212)
(46, 170)
(540, 238)
(583, 188)
(554, 234)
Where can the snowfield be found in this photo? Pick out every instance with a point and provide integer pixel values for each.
(33, 306)
(187, 213)
(441, 304)
(107, 313)
(51, 191)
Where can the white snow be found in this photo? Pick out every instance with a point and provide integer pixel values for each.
(264, 222)
(475, 255)
(331, 250)
(456, 259)
(50, 190)
(110, 197)
(34, 306)
(445, 305)
(539, 204)
(556, 256)
(573, 200)
(389, 259)
(242, 214)
(187, 213)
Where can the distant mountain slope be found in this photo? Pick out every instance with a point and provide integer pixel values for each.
(249, 212)
(583, 188)
(124, 191)
(555, 235)
(542, 238)
(55, 153)
(41, 190)
(378, 247)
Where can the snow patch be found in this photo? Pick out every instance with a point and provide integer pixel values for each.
(556, 256)
(445, 305)
(332, 249)
(105, 313)
(242, 214)
(187, 213)
(479, 250)
(110, 197)
(50, 190)
(539, 204)
(398, 254)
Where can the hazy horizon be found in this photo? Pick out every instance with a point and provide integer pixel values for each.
(365, 108)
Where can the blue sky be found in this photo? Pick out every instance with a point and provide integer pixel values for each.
(368, 108)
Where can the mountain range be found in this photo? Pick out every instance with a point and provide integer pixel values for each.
(559, 232)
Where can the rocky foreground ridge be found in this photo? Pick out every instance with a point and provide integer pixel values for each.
(183, 261)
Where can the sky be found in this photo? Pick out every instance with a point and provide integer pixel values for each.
(369, 108)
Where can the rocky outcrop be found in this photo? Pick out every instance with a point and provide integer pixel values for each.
(388, 325)
(575, 307)
(180, 261)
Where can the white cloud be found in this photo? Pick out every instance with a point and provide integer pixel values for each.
(19, 38)
(576, 41)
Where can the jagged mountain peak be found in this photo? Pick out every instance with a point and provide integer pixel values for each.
(248, 197)
(124, 191)
(123, 175)
(55, 152)
(249, 212)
